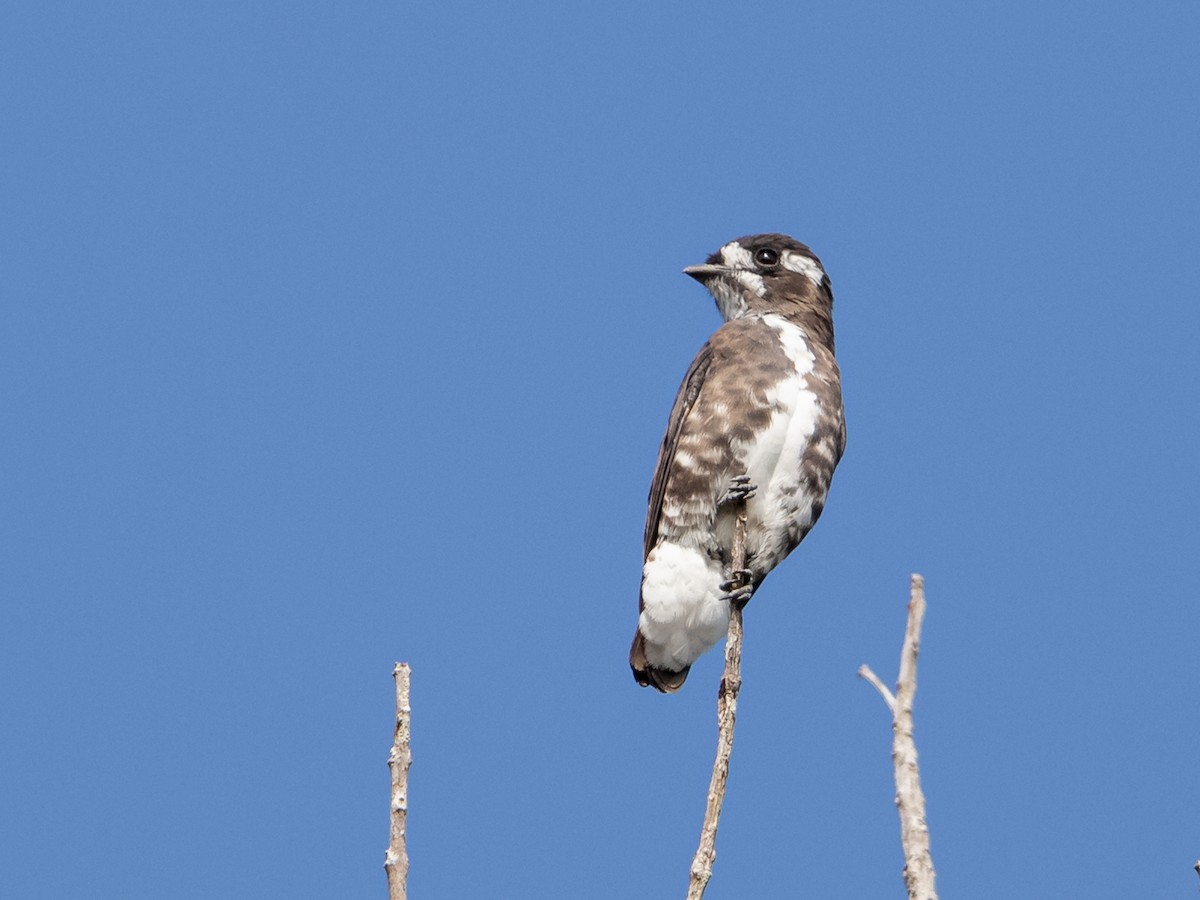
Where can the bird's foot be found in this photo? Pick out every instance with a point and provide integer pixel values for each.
(736, 578)
(740, 488)
(738, 589)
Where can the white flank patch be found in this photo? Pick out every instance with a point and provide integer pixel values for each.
(682, 614)
(772, 460)
(805, 265)
(795, 342)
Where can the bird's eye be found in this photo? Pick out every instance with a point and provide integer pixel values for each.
(766, 257)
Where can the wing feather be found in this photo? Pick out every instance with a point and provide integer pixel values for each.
(693, 382)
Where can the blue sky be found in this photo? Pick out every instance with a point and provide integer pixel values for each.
(342, 334)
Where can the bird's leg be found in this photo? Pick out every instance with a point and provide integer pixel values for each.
(740, 488)
(738, 589)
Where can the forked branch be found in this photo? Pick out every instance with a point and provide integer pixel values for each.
(919, 875)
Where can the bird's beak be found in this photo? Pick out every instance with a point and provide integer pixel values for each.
(705, 272)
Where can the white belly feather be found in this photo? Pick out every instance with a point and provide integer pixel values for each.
(682, 613)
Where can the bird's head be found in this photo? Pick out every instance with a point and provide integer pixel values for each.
(765, 273)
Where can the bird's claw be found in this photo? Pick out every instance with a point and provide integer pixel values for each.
(740, 488)
(736, 577)
(738, 589)
(739, 596)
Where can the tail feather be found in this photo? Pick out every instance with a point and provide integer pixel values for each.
(664, 680)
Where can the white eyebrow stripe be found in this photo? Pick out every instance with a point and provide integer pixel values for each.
(805, 265)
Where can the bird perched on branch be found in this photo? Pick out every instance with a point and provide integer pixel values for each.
(758, 419)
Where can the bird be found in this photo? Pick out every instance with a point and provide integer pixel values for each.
(757, 420)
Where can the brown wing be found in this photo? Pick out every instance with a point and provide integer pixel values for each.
(684, 401)
(663, 680)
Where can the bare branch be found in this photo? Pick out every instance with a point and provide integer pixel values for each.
(396, 859)
(919, 875)
(727, 694)
(865, 673)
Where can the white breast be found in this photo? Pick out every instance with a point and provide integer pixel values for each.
(775, 454)
(773, 460)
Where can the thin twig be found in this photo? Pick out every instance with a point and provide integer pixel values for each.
(727, 694)
(396, 860)
(864, 672)
(919, 874)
